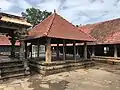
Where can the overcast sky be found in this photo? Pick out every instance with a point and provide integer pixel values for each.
(75, 11)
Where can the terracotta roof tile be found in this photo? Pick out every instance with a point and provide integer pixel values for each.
(104, 32)
(5, 41)
(57, 27)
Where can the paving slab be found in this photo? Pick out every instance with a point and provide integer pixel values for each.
(100, 77)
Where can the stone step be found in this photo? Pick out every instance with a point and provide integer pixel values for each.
(10, 63)
(10, 66)
(12, 71)
(10, 76)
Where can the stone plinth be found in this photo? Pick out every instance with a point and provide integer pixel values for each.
(58, 66)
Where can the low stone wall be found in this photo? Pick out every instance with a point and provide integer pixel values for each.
(58, 66)
(104, 59)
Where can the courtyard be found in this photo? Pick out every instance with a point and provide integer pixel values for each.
(100, 77)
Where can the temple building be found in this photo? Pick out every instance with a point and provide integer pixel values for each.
(107, 35)
(56, 30)
(12, 31)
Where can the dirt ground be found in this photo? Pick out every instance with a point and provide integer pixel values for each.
(99, 77)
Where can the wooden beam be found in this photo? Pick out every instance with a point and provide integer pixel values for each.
(64, 50)
(48, 50)
(85, 50)
(9, 27)
(74, 47)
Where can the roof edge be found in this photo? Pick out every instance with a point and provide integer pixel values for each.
(49, 25)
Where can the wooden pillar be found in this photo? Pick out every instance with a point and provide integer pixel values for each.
(77, 50)
(48, 50)
(64, 50)
(74, 54)
(85, 50)
(22, 48)
(26, 50)
(31, 50)
(13, 41)
(38, 48)
(0, 74)
(57, 50)
(93, 50)
(115, 51)
(22, 57)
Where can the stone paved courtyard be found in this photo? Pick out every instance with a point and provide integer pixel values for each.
(100, 77)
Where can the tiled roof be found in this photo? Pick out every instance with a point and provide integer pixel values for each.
(14, 19)
(57, 27)
(5, 41)
(104, 32)
(113, 38)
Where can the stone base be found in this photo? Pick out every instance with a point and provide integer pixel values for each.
(105, 59)
(13, 68)
(58, 66)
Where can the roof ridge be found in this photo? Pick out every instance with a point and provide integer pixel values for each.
(49, 25)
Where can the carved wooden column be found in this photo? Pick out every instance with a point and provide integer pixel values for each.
(115, 51)
(64, 56)
(48, 50)
(74, 53)
(22, 57)
(85, 50)
(57, 50)
(22, 52)
(22, 48)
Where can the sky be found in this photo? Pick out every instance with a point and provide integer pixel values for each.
(75, 11)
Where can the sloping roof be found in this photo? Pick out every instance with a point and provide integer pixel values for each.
(104, 32)
(113, 38)
(57, 27)
(4, 41)
(13, 19)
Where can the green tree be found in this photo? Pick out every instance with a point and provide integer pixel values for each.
(35, 16)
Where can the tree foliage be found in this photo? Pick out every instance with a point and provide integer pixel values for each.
(35, 16)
